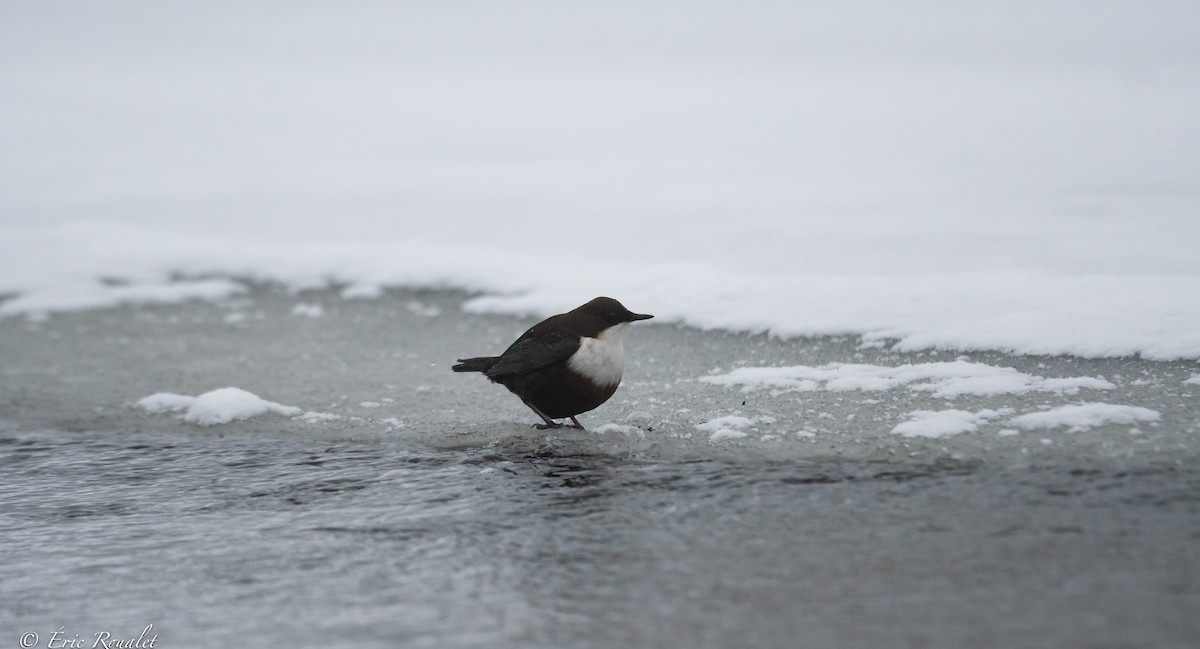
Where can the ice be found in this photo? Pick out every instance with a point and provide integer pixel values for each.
(943, 379)
(219, 406)
(945, 423)
(1079, 417)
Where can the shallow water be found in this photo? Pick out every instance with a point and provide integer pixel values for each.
(430, 514)
(221, 539)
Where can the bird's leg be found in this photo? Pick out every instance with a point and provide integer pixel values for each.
(550, 423)
(576, 423)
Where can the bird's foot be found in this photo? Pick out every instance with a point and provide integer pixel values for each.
(551, 424)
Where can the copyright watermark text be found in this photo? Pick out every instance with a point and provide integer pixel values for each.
(62, 639)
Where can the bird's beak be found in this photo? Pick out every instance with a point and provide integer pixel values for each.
(640, 316)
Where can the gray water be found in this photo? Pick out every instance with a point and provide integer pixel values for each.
(439, 518)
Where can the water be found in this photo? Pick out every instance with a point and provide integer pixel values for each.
(429, 513)
(226, 539)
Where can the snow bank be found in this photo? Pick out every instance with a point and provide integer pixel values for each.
(944, 379)
(779, 168)
(945, 423)
(1084, 416)
(216, 407)
(60, 293)
(1020, 311)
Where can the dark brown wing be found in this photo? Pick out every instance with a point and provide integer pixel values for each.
(537, 348)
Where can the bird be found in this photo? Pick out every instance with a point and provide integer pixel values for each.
(565, 365)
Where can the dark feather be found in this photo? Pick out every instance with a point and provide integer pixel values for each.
(480, 364)
(537, 348)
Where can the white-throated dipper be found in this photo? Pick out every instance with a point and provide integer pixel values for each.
(566, 364)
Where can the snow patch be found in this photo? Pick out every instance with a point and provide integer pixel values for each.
(1193, 380)
(216, 407)
(945, 423)
(308, 310)
(424, 310)
(71, 294)
(944, 379)
(731, 426)
(312, 417)
(166, 402)
(1084, 416)
(623, 429)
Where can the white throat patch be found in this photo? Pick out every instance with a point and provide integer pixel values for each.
(601, 359)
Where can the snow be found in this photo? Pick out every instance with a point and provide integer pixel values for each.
(69, 295)
(893, 172)
(945, 423)
(219, 406)
(313, 417)
(622, 429)
(308, 310)
(730, 426)
(166, 402)
(943, 379)
(362, 292)
(1192, 380)
(1079, 417)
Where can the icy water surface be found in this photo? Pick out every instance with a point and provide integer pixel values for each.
(416, 507)
(219, 540)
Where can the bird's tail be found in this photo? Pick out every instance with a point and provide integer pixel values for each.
(480, 364)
